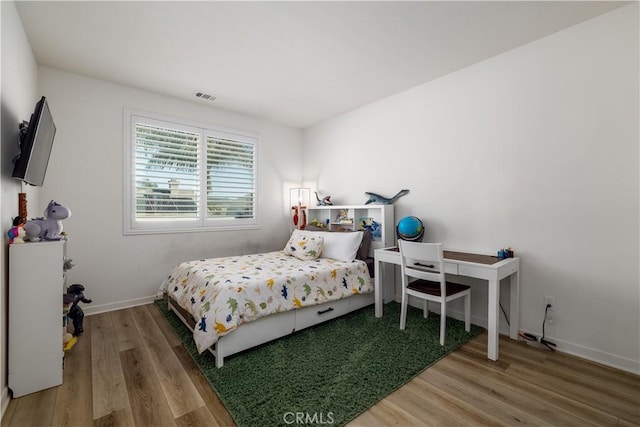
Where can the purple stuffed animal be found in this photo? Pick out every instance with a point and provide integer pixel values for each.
(50, 227)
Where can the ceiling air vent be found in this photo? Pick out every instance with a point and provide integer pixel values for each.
(205, 96)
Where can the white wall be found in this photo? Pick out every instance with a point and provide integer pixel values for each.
(536, 149)
(19, 90)
(86, 174)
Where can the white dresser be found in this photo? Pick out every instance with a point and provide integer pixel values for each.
(36, 287)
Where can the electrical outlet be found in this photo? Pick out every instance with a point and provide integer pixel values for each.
(549, 302)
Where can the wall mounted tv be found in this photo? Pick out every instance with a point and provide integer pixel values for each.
(36, 140)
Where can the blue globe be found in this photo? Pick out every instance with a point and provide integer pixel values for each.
(410, 228)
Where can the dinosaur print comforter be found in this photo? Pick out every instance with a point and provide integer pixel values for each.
(223, 293)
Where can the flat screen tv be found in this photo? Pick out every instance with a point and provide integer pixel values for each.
(36, 140)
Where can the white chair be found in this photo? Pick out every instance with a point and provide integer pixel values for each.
(425, 262)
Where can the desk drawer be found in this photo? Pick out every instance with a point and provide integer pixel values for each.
(477, 271)
(450, 268)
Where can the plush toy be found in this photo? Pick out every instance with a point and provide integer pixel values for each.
(66, 338)
(323, 201)
(376, 230)
(316, 223)
(49, 227)
(381, 200)
(75, 312)
(16, 233)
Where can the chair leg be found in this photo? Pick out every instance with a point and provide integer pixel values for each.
(443, 321)
(403, 310)
(467, 313)
(425, 310)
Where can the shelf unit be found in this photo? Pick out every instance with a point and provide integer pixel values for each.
(36, 286)
(381, 214)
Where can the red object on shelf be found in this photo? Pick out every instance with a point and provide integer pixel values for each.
(303, 214)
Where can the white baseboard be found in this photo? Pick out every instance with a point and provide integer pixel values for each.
(5, 400)
(90, 309)
(594, 355)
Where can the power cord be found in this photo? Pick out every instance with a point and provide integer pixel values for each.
(505, 314)
(530, 337)
(551, 346)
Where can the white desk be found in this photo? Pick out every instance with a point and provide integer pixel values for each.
(478, 266)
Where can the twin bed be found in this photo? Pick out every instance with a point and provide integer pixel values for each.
(235, 303)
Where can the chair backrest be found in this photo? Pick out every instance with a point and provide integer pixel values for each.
(423, 261)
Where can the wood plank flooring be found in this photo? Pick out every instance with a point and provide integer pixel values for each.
(129, 369)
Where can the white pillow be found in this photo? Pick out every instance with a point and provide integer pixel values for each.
(304, 246)
(340, 246)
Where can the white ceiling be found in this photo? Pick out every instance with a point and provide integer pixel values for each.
(296, 63)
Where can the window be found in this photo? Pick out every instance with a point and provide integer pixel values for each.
(186, 177)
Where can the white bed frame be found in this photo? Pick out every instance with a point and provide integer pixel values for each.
(265, 329)
(275, 326)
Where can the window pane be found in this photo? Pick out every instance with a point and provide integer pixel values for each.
(182, 176)
(230, 179)
(167, 181)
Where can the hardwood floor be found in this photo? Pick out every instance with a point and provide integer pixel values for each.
(129, 369)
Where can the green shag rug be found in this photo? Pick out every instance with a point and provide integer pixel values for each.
(327, 374)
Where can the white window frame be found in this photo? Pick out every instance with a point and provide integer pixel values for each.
(134, 225)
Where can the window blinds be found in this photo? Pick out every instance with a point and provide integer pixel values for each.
(230, 178)
(167, 183)
(173, 169)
